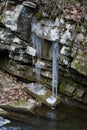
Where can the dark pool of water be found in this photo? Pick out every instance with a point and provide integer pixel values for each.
(69, 119)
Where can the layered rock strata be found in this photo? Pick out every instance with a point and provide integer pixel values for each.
(22, 23)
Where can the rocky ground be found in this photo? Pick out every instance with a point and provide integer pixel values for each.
(11, 89)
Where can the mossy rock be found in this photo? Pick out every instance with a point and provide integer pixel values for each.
(85, 24)
(80, 62)
(84, 44)
(39, 15)
(19, 105)
(67, 89)
(78, 94)
(85, 98)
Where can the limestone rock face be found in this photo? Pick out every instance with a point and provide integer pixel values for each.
(53, 30)
(10, 17)
(18, 19)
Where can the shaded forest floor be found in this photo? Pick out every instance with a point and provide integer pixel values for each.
(11, 89)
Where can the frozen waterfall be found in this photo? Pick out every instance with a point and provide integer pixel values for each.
(54, 68)
(37, 44)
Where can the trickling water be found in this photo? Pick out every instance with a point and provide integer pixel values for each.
(54, 68)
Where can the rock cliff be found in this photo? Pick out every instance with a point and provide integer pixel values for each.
(24, 23)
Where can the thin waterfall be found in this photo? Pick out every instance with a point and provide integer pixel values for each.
(54, 68)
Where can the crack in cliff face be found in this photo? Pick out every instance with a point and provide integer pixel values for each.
(4, 54)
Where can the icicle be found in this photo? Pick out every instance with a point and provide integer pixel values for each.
(53, 98)
(37, 44)
(38, 70)
(54, 68)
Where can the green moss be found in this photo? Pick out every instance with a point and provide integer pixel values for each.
(39, 15)
(2, 17)
(77, 29)
(53, 14)
(62, 87)
(85, 44)
(69, 40)
(80, 62)
(85, 24)
(75, 64)
(60, 16)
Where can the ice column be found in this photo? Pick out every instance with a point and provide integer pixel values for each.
(37, 44)
(54, 68)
